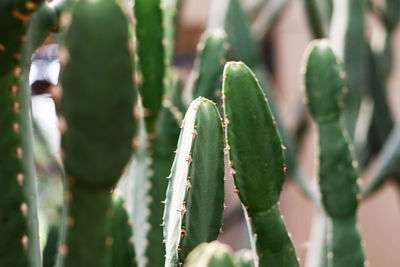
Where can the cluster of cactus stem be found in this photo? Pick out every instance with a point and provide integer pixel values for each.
(144, 156)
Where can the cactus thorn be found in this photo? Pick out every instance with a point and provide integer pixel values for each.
(19, 152)
(22, 17)
(24, 209)
(16, 106)
(15, 127)
(189, 159)
(13, 90)
(20, 179)
(25, 241)
(188, 185)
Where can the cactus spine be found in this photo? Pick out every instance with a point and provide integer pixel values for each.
(97, 125)
(196, 183)
(337, 167)
(252, 139)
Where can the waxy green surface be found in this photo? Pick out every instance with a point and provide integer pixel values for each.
(196, 183)
(97, 104)
(337, 170)
(19, 244)
(210, 64)
(122, 251)
(150, 34)
(252, 140)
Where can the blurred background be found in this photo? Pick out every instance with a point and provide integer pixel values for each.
(281, 51)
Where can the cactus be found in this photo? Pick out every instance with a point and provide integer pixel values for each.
(122, 253)
(103, 65)
(196, 182)
(19, 222)
(338, 182)
(97, 126)
(348, 42)
(207, 74)
(149, 30)
(252, 139)
(213, 254)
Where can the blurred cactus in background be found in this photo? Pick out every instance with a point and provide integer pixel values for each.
(141, 153)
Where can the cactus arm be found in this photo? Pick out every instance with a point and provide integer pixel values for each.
(20, 242)
(212, 254)
(243, 47)
(252, 139)
(348, 41)
(337, 167)
(239, 34)
(150, 36)
(196, 183)
(314, 19)
(96, 106)
(211, 49)
(122, 253)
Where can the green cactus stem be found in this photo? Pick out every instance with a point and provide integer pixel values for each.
(150, 36)
(337, 170)
(314, 18)
(348, 41)
(210, 62)
(212, 254)
(97, 126)
(122, 252)
(252, 140)
(19, 244)
(196, 183)
(161, 156)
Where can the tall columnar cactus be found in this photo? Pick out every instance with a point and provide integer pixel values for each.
(348, 41)
(123, 253)
(252, 140)
(213, 254)
(212, 51)
(195, 194)
(151, 53)
(19, 244)
(324, 92)
(97, 124)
